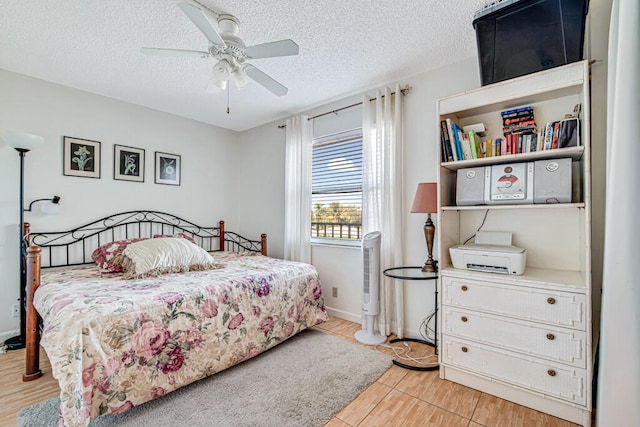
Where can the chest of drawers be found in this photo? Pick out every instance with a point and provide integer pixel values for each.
(520, 338)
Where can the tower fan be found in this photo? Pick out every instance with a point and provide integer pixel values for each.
(371, 289)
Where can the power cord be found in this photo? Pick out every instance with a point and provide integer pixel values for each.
(479, 228)
(403, 352)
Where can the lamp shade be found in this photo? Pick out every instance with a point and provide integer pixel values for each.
(220, 76)
(425, 200)
(240, 77)
(21, 140)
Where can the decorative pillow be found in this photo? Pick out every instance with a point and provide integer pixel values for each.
(154, 257)
(103, 255)
(183, 235)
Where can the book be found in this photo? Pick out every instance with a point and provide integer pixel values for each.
(556, 132)
(474, 146)
(521, 110)
(516, 120)
(540, 140)
(457, 130)
(480, 150)
(466, 148)
(452, 140)
(522, 126)
(447, 155)
(548, 135)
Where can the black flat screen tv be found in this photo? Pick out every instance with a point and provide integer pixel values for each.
(518, 37)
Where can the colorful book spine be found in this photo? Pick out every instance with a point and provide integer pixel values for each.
(447, 155)
(452, 140)
(472, 142)
(556, 132)
(466, 148)
(548, 135)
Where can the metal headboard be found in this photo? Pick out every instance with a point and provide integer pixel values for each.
(74, 247)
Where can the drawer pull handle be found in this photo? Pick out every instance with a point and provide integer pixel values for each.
(551, 373)
(464, 318)
(464, 288)
(551, 337)
(464, 349)
(551, 300)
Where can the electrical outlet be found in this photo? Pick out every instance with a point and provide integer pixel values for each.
(16, 310)
(334, 292)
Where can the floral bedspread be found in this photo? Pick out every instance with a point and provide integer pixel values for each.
(115, 343)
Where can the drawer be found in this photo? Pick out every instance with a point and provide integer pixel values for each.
(551, 307)
(556, 344)
(552, 379)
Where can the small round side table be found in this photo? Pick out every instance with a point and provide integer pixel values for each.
(416, 273)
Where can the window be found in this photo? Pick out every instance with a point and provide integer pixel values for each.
(336, 193)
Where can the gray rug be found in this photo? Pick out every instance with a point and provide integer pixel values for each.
(301, 382)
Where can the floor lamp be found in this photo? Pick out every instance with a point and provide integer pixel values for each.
(23, 143)
(426, 201)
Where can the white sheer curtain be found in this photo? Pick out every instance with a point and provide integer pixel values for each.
(382, 196)
(619, 370)
(297, 194)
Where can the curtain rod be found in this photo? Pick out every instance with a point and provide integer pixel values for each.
(403, 91)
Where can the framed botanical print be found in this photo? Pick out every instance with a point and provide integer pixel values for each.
(128, 163)
(80, 157)
(167, 168)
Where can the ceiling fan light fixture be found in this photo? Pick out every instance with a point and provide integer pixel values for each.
(220, 75)
(241, 78)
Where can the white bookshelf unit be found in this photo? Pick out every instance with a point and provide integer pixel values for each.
(529, 338)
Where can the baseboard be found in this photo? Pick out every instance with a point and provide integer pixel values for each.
(341, 314)
(8, 334)
(357, 318)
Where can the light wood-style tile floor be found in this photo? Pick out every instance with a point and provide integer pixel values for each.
(401, 397)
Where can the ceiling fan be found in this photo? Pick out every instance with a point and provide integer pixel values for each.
(231, 52)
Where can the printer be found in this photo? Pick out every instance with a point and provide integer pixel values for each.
(491, 252)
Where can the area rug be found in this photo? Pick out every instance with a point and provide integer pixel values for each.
(301, 382)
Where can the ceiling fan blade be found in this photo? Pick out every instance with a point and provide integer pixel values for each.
(202, 22)
(266, 81)
(156, 51)
(285, 47)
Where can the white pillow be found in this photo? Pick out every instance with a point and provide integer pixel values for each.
(153, 257)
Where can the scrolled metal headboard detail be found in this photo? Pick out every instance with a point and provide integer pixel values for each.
(74, 247)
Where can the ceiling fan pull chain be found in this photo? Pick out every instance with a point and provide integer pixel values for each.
(228, 98)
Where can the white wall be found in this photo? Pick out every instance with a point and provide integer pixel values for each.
(52, 111)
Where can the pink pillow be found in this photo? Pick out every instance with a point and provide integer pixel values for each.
(104, 255)
(183, 235)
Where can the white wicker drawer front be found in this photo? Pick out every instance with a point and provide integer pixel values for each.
(550, 342)
(551, 307)
(552, 379)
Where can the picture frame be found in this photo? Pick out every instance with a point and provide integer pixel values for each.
(167, 168)
(128, 163)
(80, 157)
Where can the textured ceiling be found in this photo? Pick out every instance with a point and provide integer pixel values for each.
(346, 47)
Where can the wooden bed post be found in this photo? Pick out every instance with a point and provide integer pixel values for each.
(32, 371)
(221, 225)
(263, 244)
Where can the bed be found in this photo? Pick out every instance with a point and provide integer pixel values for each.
(118, 339)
